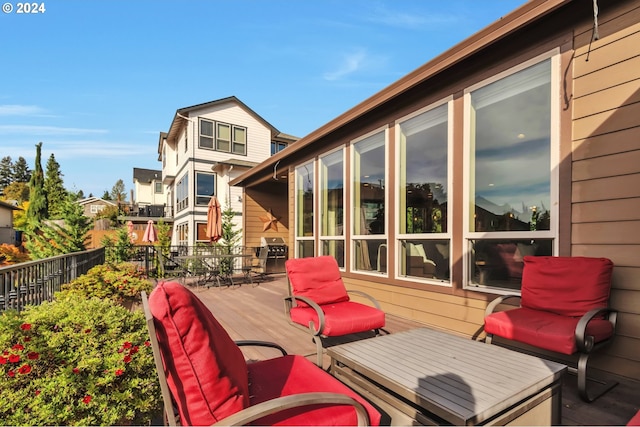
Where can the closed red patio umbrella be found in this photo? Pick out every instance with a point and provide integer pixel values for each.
(214, 220)
(150, 234)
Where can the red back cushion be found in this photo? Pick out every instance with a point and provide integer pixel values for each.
(569, 286)
(316, 278)
(206, 371)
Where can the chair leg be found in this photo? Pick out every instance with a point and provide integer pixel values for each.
(318, 342)
(599, 390)
(488, 339)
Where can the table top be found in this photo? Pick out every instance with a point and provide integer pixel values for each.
(460, 380)
(204, 256)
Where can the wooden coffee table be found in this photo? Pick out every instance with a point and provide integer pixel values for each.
(428, 377)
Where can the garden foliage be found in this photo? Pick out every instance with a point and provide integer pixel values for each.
(76, 361)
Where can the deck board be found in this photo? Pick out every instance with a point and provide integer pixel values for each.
(257, 313)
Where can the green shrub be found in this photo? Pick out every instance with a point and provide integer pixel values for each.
(121, 283)
(76, 362)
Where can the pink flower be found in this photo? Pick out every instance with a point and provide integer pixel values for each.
(127, 344)
(119, 372)
(75, 370)
(127, 359)
(33, 355)
(25, 326)
(14, 358)
(86, 399)
(17, 347)
(147, 344)
(38, 392)
(134, 349)
(3, 360)
(11, 373)
(24, 369)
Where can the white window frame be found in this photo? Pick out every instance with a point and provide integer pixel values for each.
(450, 196)
(311, 163)
(319, 197)
(351, 235)
(552, 233)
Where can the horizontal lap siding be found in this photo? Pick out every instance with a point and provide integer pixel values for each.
(606, 170)
(444, 311)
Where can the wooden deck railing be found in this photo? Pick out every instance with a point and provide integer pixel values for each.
(31, 283)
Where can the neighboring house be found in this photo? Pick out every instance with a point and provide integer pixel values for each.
(523, 139)
(207, 146)
(149, 192)
(94, 205)
(7, 233)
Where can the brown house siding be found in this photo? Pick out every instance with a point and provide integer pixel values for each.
(606, 169)
(599, 167)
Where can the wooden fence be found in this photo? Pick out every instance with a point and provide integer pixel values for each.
(31, 283)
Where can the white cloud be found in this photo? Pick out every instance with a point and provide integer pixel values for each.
(382, 15)
(350, 64)
(20, 110)
(47, 130)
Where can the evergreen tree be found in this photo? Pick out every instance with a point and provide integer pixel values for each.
(230, 237)
(21, 172)
(118, 192)
(54, 188)
(38, 209)
(80, 195)
(6, 172)
(106, 195)
(61, 237)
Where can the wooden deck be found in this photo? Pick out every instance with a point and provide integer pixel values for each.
(257, 312)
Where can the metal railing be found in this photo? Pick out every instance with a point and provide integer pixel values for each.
(33, 282)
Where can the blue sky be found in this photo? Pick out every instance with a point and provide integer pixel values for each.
(97, 80)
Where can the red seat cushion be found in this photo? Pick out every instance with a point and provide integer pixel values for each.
(289, 375)
(568, 286)
(635, 421)
(317, 278)
(543, 329)
(341, 318)
(206, 371)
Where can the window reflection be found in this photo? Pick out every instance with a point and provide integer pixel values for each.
(511, 140)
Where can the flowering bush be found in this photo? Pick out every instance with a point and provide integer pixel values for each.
(76, 362)
(120, 283)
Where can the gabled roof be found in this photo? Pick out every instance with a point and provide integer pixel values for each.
(88, 200)
(181, 115)
(146, 175)
(9, 206)
(526, 15)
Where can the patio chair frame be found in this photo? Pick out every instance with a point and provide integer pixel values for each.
(319, 339)
(251, 413)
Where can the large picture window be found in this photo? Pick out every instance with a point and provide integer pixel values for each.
(304, 205)
(369, 203)
(511, 176)
(205, 187)
(423, 192)
(331, 178)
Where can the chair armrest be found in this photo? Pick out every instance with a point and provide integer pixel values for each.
(273, 406)
(366, 295)
(245, 343)
(288, 302)
(585, 342)
(496, 302)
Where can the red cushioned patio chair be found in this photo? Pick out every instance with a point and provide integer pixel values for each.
(563, 309)
(319, 302)
(204, 373)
